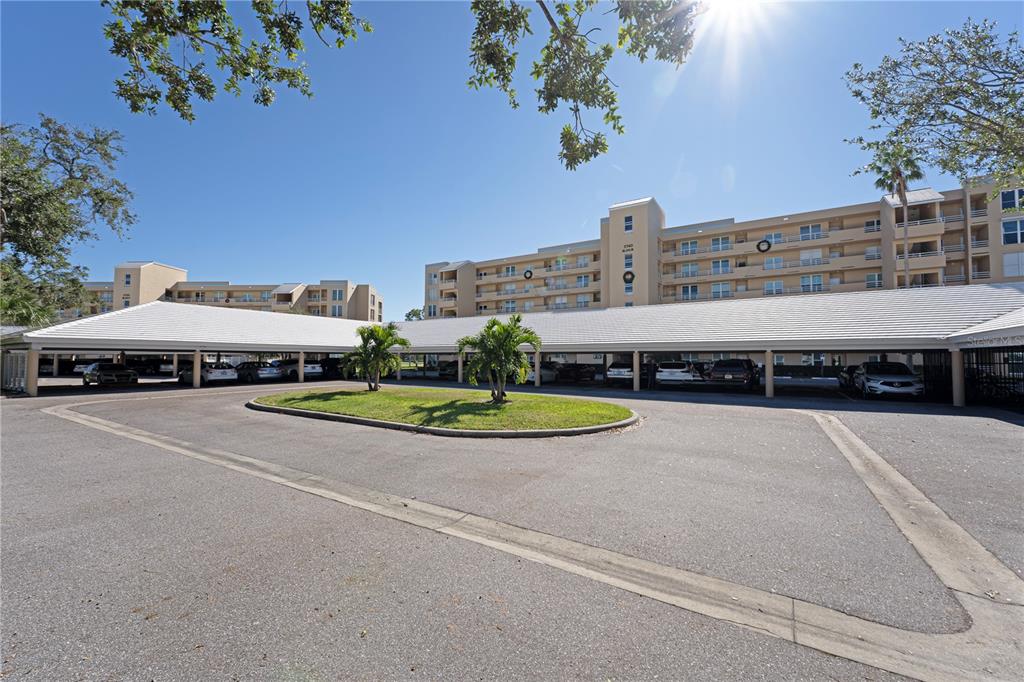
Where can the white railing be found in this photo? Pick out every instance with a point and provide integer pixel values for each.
(979, 213)
(872, 256)
(979, 243)
(954, 278)
(701, 297)
(981, 274)
(802, 263)
(953, 248)
(872, 228)
(872, 284)
(922, 254)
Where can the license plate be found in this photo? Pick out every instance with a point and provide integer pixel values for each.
(728, 376)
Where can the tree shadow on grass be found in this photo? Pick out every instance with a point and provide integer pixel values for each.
(300, 399)
(449, 413)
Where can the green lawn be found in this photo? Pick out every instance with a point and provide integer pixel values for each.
(455, 409)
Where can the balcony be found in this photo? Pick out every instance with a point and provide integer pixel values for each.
(981, 274)
(923, 261)
(954, 279)
(979, 213)
(447, 284)
(930, 227)
(568, 267)
(979, 244)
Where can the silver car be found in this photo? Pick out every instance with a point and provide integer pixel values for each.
(887, 378)
(257, 371)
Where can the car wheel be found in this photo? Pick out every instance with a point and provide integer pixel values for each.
(85, 382)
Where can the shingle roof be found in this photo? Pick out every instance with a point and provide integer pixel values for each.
(868, 320)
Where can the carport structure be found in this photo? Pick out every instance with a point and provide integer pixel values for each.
(161, 328)
(935, 320)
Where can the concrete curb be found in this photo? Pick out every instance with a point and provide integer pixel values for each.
(438, 431)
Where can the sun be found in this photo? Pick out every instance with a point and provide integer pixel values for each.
(734, 27)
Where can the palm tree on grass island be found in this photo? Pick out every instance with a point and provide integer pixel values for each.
(498, 355)
(373, 357)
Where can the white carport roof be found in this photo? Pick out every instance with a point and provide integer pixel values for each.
(1005, 330)
(914, 197)
(910, 319)
(869, 320)
(167, 327)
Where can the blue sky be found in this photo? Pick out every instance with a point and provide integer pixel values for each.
(395, 163)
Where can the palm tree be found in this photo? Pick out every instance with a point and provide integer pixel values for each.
(497, 353)
(373, 356)
(895, 167)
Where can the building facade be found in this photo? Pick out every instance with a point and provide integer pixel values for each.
(137, 282)
(956, 237)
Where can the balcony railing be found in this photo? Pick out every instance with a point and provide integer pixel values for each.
(873, 284)
(802, 289)
(872, 256)
(802, 263)
(953, 248)
(568, 266)
(701, 297)
(979, 243)
(873, 228)
(954, 278)
(981, 274)
(699, 273)
(920, 254)
(979, 213)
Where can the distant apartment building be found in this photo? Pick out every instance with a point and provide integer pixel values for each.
(959, 236)
(137, 282)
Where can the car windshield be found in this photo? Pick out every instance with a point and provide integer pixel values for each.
(673, 365)
(887, 368)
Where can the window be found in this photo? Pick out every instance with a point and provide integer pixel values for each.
(810, 232)
(246, 298)
(561, 302)
(315, 312)
(872, 225)
(127, 279)
(873, 280)
(812, 359)
(527, 306)
(1013, 231)
(561, 263)
(686, 248)
(720, 244)
(688, 270)
(1013, 264)
(510, 288)
(582, 281)
(719, 267)
(721, 290)
(481, 308)
(264, 295)
(810, 282)
(433, 278)
(774, 288)
(219, 295)
(810, 257)
(687, 292)
(200, 296)
(106, 297)
(629, 304)
(336, 310)
(509, 306)
(627, 260)
(1012, 199)
(431, 310)
(629, 223)
(720, 356)
(373, 300)
(125, 302)
(873, 253)
(583, 301)
(772, 262)
(582, 261)
(510, 271)
(778, 359)
(337, 295)
(431, 295)
(629, 288)
(874, 358)
(774, 238)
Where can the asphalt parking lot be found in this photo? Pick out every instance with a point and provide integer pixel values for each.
(127, 560)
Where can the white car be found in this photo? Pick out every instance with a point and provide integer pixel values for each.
(311, 369)
(886, 378)
(218, 371)
(677, 373)
(548, 374)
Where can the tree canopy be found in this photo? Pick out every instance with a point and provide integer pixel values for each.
(373, 357)
(957, 99)
(57, 187)
(497, 353)
(166, 46)
(414, 314)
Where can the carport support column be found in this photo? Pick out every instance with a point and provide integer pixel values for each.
(32, 373)
(636, 370)
(302, 366)
(56, 362)
(769, 374)
(398, 372)
(957, 364)
(197, 368)
(460, 367)
(174, 364)
(536, 368)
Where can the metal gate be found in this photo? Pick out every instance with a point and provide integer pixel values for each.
(995, 376)
(937, 373)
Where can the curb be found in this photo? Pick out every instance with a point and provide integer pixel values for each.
(439, 431)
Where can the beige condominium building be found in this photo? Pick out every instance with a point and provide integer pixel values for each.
(960, 236)
(137, 282)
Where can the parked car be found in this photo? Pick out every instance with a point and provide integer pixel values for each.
(108, 373)
(548, 373)
(846, 376)
(312, 369)
(575, 371)
(736, 372)
(209, 371)
(257, 371)
(677, 373)
(887, 378)
(622, 372)
(448, 370)
(144, 366)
